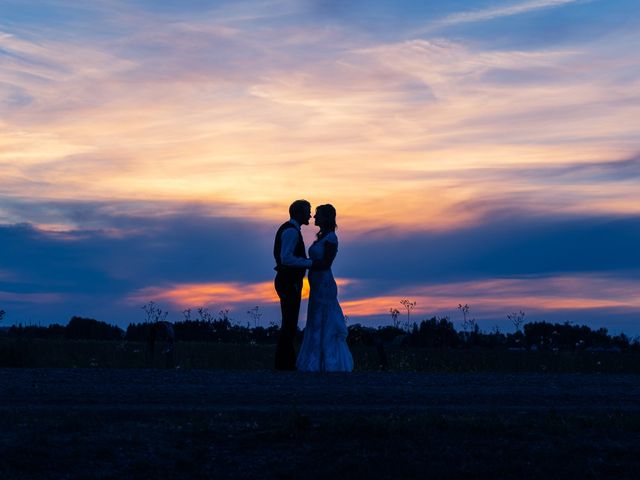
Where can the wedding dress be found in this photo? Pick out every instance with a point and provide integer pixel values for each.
(324, 347)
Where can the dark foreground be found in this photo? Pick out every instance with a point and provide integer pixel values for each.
(93, 423)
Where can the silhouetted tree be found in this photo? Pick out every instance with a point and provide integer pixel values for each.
(360, 335)
(434, 333)
(389, 333)
(564, 336)
(54, 331)
(80, 328)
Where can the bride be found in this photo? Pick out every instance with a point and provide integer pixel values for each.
(324, 347)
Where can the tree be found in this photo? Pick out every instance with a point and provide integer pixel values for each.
(80, 328)
(434, 333)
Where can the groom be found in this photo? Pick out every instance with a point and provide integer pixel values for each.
(291, 265)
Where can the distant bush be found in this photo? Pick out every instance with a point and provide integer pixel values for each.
(198, 330)
(434, 333)
(567, 336)
(218, 330)
(80, 328)
(360, 335)
(368, 336)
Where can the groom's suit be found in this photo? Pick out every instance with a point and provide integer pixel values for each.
(291, 264)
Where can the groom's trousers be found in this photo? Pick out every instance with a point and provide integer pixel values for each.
(289, 289)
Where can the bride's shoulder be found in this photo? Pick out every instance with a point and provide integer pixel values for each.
(331, 237)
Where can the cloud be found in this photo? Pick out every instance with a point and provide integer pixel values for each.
(156, 244)
(139, 142)
(208, 109)
(599, 172)
(507, 243)
(597, 301)
(621, 170)
(96, 271)
(135, 252)
(182, 256)
(498, 296)
(31, 298)
(217, 293)
(492, 13)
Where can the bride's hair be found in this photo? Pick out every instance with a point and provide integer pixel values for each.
(328, 211)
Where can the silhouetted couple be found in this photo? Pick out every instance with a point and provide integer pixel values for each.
(324, 347)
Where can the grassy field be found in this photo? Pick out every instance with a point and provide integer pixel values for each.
(295, 446)
(159, 423)
(81, 409)
(196, 355)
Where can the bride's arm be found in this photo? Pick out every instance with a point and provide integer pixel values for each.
(324, 263)
(330, 252)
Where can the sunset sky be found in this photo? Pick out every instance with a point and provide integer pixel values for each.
(482, 152)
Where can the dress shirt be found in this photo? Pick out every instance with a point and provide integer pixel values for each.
(289, 239)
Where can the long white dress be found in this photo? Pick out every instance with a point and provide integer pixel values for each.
(324, 347)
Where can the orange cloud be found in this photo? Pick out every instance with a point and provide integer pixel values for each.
(220, 293)
(196, 294)
(503, 295)
(558, 293)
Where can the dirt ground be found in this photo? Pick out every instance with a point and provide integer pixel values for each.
(127, 423)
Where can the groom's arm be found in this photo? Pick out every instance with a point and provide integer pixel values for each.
(289, 240)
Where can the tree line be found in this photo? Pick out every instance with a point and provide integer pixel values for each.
(434, 332)
(441, 333)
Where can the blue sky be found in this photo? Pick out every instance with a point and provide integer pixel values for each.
(480, 152)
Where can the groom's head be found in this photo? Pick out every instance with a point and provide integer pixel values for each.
(300, 211)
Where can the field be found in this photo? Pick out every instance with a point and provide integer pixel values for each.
(152, 423)
(430, 416)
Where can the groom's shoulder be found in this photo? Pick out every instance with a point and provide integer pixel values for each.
(285, 226)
